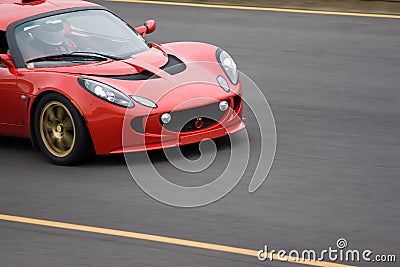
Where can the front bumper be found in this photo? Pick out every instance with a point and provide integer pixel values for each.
(114, 133)
(183, 139)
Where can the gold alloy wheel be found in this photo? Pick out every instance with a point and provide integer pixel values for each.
(57, 129)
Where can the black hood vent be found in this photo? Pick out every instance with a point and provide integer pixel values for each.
(144, 75)
(173, 66)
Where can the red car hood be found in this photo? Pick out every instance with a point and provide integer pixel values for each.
(152, 58)
(197, 80)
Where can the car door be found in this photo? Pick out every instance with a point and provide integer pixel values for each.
(10, 112)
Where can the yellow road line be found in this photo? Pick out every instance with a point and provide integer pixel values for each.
(287, 10)
(161, 239)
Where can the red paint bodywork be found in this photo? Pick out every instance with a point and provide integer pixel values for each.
(107, 123)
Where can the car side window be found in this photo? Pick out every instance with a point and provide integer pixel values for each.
(3, 46)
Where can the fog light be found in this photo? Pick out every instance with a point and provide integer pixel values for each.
(223, 105)
(166, 117)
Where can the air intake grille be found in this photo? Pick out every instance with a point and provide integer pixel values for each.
(187, 120)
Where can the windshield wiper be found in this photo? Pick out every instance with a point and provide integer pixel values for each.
(84, 55)
(95, 54)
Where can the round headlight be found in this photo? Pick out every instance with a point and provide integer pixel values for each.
(223, 105)
(166, 118)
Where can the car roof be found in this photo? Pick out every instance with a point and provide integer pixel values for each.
(14, 10)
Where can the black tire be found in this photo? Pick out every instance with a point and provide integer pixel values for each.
(61, 132)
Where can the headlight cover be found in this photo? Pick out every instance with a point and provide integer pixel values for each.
(223, 83)
(144, 101)
(228, 65)
(106, 92)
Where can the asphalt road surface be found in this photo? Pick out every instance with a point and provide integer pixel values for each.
(333, 85)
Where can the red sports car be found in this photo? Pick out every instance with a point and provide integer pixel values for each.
(79, 81)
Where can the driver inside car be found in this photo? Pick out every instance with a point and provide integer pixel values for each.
(49, 39)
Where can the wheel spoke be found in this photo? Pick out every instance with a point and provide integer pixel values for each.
(68, 139)
(60, 144)
(60, 114)
(53, 138)
(52, 116)
(48, 126)
(68, 124)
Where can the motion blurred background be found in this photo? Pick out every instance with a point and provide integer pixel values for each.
(333, 85)
(381, 6)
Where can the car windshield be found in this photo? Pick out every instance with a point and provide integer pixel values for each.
(77, 37)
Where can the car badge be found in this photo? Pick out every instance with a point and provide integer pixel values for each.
(198, 123)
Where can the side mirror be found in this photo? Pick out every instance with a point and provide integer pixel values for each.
(6, 59)
(148, 27)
